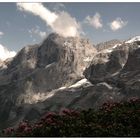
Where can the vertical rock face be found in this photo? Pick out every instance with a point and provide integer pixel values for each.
(56, 62)
(107, 63)
(119, 66)
(129, 76)
(60, 62)
(68, 51)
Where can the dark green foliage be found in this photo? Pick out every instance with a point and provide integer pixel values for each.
(111, 120)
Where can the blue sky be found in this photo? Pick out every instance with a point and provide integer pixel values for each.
(20, 26)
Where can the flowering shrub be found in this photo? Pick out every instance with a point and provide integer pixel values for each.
(111, 120)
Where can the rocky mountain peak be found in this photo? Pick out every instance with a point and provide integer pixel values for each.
(57, 48)
(133, 39)
(38, 69)
(108, 44)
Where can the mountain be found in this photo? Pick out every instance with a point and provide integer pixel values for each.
(37, 70)
(134, 39)
(55, 63)
(107, 44)
(67, 73)
(118, 69)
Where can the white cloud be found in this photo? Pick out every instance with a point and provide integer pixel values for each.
(94, 21)
(62, 22)
(66, 25)
(39, 10)
(5, 53)
(117, 24)
(38, 32)
(42, 34)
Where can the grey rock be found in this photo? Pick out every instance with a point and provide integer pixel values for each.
(107, 64)
(67, 73)
(37, 71)
(108, 44)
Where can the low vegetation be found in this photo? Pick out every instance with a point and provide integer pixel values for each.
(111, 120)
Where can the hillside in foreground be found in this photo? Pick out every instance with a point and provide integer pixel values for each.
(113, 119)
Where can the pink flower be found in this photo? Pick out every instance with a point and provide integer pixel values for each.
(27, 129)
(75, 113)
(8, 130)
(22, 126)
(66, 112)
(38, 125)
(48, 115)
(50, 121)
(133, 99)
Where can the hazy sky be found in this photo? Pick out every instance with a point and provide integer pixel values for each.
(21, 24)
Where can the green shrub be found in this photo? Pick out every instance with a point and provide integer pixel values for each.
(111, 120)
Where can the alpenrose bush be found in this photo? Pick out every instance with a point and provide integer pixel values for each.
(111, 120)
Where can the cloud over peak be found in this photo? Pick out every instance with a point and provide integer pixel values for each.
(62, 22)
(117, 24)
(94, 21)
(66, 25)
(5, 53)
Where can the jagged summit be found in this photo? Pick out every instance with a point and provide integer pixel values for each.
(108, 44)
(134, 39)
(67, 50)
(66, 41)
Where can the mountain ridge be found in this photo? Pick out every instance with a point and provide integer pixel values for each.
(66, 73)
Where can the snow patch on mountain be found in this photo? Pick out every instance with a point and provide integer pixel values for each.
(115, 46)
(111, 49)
(32, 98)
(107, 51)
(80, 83)
(87, 59)
(61, 88)
(137, 38)
(106, 85)
(49, 65)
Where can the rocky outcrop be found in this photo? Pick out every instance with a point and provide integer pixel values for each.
(107, 63)
(119, 67)
(129, 76)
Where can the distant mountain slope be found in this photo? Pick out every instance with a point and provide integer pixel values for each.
(107, 44)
